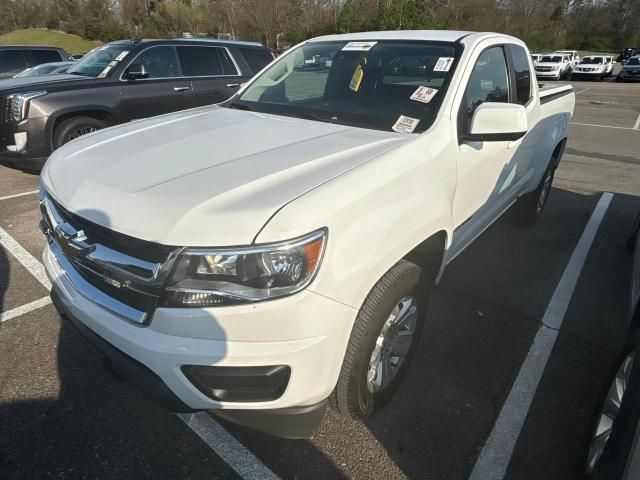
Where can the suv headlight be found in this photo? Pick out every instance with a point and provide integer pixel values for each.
(205, 277)
(17, 105)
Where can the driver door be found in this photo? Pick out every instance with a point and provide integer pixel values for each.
(486, 177)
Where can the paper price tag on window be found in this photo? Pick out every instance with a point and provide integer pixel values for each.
(423, 94)
(405, 124)
(443, 64)
(356, 79)
(123, 54)
(359, 46)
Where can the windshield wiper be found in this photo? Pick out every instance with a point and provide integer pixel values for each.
(239, 106)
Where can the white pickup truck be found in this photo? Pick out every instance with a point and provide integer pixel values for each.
(261, 257)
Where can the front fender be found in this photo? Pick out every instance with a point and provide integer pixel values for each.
(375, 215)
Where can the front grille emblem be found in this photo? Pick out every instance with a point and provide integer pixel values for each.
(72, 242)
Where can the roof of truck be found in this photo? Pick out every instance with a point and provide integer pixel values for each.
(428, 35)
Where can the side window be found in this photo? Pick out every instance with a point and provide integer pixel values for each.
(159, 62)
(12, 60)
(45, 56)
(206, 61)
(523, 74)
(257, 58)
(489, 82)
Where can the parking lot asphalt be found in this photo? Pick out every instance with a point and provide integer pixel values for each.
(63, 416)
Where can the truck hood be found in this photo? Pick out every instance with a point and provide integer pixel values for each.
(205, 177)
(548, 64)
(39, 81)
(590, 65)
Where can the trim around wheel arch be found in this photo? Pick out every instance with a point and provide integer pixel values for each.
(55, 122)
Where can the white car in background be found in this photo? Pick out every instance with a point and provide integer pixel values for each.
(593, 68)
(535, 57)
(553, 66)
(574, 58)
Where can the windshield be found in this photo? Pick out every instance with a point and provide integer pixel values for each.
(384, 85)
(633, 61)
(551, 59)
(591, 60)
(100, 61)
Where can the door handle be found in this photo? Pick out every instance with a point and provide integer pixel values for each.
(181, 89)
(233, 85)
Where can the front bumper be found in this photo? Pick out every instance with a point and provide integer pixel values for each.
(551, 74)
(587, 75)
(37, 148)
(629, 77)
(306, 332)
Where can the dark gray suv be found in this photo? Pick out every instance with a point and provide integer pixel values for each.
(16, 58)
(116, 83)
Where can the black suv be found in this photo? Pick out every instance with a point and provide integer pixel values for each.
(16, 58)
(116, 83)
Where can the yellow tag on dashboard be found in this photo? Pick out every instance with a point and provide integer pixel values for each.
(356, 79)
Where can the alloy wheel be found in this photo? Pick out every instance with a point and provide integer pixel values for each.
(393, 344)
(609, 412)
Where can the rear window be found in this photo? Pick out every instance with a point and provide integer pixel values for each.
(205, 61)
(45, 56)
(12, 60)
(257, 58)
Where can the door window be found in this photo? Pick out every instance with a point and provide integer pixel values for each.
(159, 62)
(523, 74)
(206, 61)
(256, 58)
(11, 60)
(489, 82)
(45, 56)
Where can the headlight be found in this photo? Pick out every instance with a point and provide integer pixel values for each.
(211, 277)
(556, 67)
(17, 105)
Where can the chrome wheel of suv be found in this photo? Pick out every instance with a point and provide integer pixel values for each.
(392, 344)
(609, 412)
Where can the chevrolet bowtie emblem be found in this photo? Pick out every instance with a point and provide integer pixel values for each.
(72, 242)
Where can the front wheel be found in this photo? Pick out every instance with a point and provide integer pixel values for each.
(76, 127)
(382, 341)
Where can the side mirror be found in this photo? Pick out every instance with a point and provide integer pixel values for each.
(497, 122)
(136, 71)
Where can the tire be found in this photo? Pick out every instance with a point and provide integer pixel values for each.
(612, 461)
(75, 127)
(357, 394)
(529, 207)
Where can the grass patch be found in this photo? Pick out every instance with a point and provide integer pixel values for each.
(41, 36)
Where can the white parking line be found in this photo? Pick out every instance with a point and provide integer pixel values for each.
(497, 451)
(582, 91)
(241, 460)
(16, 195)
(637, 125)
(21, 310)
(602, 126)
(25, 258)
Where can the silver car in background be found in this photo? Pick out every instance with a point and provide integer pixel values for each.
(614, 452)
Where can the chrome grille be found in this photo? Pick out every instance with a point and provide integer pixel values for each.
(128, 285)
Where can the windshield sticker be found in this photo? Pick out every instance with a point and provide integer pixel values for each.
(423, 94)
(405, 124)
(443, 64)
(359, 46)
(356, 79)
(104, 72)
(123, 54)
